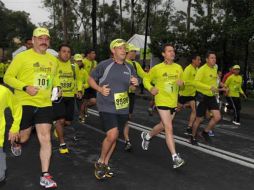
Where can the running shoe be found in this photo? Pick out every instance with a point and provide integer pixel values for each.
(16, 149)
(47, 182)
(211, 133)
(145, 142)
(188, 131)
(100, 170)
(128, 146)
(177, 161)
(150, 111)
(63, 149)
(82, 119)
(193, 140)
(236, 123)
(206, 136)
(109, 173)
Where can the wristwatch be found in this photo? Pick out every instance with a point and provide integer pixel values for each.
(24, 88)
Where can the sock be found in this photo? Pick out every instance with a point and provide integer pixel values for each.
(44, 174)
(174, 156)
(148, 137)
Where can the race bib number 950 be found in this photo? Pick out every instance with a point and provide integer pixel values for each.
(121, 100)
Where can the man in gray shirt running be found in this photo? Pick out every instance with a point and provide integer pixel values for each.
(112, 79)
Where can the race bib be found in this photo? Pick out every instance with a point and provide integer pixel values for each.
(170, 87)
(121, 100)
(66, 84)
(42, 80)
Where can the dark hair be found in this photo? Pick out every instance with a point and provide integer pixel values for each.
(166, 45)
(27, 39)
(64, 45)
(89, 51)
(209, 53)
(194, 56)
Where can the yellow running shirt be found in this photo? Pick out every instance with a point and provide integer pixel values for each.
(206, 77)
(234, 83)
(89, 65)
(164, 77)
(34, 69)
(189, 74)
(9, 101)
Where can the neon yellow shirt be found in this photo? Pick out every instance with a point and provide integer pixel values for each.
(89, 65)
(2, 69)
(31, 68)
(65, 78)
(189, 88)
(234, 83)
(206, 77)
(9, 101)
(83, 79)
(164, 77)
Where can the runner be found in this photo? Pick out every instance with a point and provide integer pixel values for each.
(115, 77)
(188, 93)
(130, 58)
(8, 101)
(90, 94)
(31, 74)
(234, 83)
(67, 77)
(166, 77)
(207, 88)
(82, 85)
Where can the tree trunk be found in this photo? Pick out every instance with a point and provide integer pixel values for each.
(65, 32)
(121, 18)
(188, 15)
(246, 65)
(94, 31)
(132, 17)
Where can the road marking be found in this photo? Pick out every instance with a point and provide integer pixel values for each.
(226, 155)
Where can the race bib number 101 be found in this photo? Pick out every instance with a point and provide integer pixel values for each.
(42, 80)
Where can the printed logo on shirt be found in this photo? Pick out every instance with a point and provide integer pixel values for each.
(37, 64)
(126, 73)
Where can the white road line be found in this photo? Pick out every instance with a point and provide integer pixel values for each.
(229, 156)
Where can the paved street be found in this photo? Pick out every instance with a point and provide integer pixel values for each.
(226, 164)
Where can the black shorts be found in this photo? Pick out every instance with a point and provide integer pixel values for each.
(32, 115)
(64, 109)
(204, 103)
(184, 99)
(172, 110)
(132, 98)
(90, 93)
(112, 120)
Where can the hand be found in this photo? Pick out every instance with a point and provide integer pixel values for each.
(79, 95)
(214, 89)
(104, 90)
(13, 137)
(32, 90)
(134, 81)
(154, 91)
(179, 82)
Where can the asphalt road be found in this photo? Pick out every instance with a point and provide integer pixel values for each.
(228, 163)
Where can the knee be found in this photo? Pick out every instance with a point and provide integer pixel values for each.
(112, 136)
(217, 117)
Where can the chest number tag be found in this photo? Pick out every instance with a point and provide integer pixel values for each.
(121, 100)
(41, 80)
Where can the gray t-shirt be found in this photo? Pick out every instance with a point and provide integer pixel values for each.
(117, 77)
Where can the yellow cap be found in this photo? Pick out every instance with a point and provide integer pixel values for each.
(78, 57)
(131, 47)
(236, 67)
(40, 32)
(117, 43)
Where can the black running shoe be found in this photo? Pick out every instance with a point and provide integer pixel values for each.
(128, 146)
(100, 170)
(206, 136)
(188, 131)
(193, 140)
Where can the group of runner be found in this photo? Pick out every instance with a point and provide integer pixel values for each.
(110, 85)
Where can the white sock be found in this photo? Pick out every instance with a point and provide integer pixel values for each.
(174, 156)
(148, 137)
